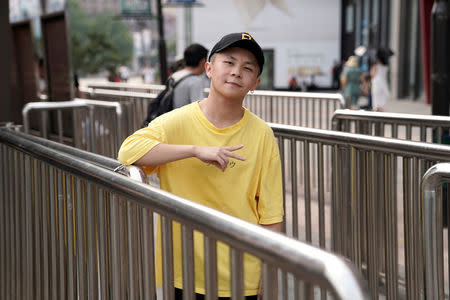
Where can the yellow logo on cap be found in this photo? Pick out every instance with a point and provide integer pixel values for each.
(246, 36)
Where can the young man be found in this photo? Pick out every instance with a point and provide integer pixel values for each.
(217, 153)
(191, 88)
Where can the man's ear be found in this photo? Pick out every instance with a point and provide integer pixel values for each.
(208, 69)
(258, 80)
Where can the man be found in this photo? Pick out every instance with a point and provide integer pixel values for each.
(191, 88)
(217, 153)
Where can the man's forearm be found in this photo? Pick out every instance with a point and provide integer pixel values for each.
(164, 153)
(277, 227)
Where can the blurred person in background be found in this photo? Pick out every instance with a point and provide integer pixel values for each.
(193, 80)
(379, 73)
(351, 82)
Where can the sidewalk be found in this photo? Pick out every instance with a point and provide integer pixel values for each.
(408, 106)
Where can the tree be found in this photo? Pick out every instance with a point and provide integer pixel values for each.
(100, 43)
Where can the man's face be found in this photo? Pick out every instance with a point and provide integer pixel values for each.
(233, 72)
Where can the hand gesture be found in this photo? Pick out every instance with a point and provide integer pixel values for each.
(218, 156)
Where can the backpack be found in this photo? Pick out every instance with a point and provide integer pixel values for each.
(164, 101)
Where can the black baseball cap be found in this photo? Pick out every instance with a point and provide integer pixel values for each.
(240, 40)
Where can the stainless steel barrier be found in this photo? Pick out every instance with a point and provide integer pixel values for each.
(134, 104)
(312, 110)
(433, 234)
(424, 128)
(130, 87)
(73, 230)
(371, 214)
(95, 128)
(292, 108)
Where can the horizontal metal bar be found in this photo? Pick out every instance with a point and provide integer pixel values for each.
(360, 141)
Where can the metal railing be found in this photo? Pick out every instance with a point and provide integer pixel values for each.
(292, 108)
(134, 104)
(95, 128)
(312, 110)
(130, 87)
(71, 229)
(371, 213)
(431, 194)
(424, 128)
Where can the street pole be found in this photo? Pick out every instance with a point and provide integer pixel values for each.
(162, 45)
(440, 61)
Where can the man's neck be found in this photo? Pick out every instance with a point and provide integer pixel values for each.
(220, 111)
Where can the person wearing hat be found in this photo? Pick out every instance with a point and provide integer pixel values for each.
(351, 82)
(217, 153)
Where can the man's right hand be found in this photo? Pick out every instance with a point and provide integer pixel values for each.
(218, 156)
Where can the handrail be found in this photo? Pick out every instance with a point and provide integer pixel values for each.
(432, 228)
(398, 118)
(95, 91)
(323, 268)
(76, 103)
(403, 147)
(125, 85)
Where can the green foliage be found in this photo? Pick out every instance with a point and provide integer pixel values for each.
(98, 43)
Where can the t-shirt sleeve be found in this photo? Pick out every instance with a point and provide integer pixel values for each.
(140, 142)
(270, 194)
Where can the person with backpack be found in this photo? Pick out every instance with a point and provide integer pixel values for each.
(183, 86)
(216, 153)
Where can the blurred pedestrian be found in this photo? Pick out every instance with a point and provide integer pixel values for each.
(148, 74)
(366, 87)
(293, 84)
(380, 87)
(336, 74)
(351, 82)
(190, 88)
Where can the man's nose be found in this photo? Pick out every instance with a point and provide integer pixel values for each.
(236, 70)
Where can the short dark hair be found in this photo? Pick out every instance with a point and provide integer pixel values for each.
(194, 54)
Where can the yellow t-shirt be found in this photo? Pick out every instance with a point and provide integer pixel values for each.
(250, 190)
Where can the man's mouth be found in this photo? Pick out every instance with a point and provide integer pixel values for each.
(234, 83)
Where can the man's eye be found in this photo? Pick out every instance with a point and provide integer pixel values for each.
(248, 69)
(227, 62)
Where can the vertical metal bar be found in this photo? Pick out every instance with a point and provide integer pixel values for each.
(80, 245)
(269, 285)
(60, 126)
(53, 233)
(293, 169)
(115, 252)
(37, 231)
(16, 232)
(131, 234)
(417, 241)
(408, 132)
(148, 254)
(103, 254)
(210, 262)
(8, 220)
(167, 257)
(335, 203)
(3, 214)
(391, 264)
(45, 237)
(423, 133)
(71, 284)
(283, 170)
(237, 274)
(29, 229)
(321, 197)
(372, 265)
(188, 263)
(91, 270)
(12, 227)
(307, 191)
(439, 135)
(92, 131)
(407, 227)
(61, 236)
